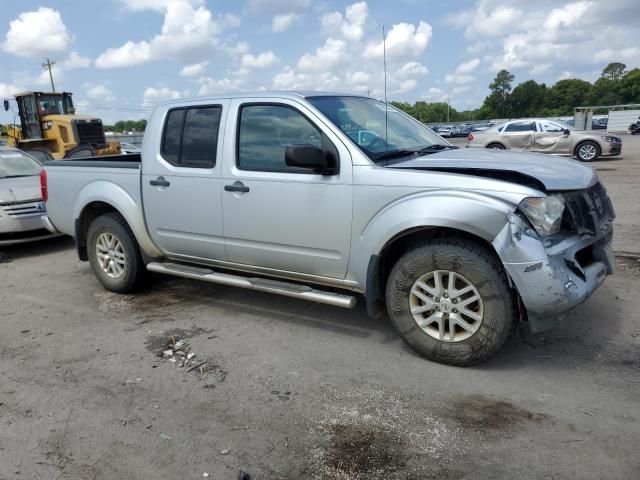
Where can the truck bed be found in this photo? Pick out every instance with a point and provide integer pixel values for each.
(80, 181)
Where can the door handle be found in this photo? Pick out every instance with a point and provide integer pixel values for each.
(237, 187)
(159, 182)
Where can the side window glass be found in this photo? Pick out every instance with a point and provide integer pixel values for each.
(265, 132)
(200, 137)
(551, 127)
(172, 134)
(520, 127)
(190, 136)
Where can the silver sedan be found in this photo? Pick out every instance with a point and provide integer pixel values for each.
(21, 205)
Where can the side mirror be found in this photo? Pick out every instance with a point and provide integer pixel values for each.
(566, 132)
(6, 105)
(308, 156)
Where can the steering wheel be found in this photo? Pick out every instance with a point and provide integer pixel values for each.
(376, 142)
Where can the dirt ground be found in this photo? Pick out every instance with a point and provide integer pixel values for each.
(295, 390)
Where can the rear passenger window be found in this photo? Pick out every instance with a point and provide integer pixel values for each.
(521, 127)
(190, 136)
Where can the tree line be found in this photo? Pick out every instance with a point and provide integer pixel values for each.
(616, 86)
(127, 126)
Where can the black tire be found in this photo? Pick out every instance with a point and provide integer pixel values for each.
(587, 143)
(483, 270)
(81, 151)
(134, 268)
(497, 146)
(40, 154)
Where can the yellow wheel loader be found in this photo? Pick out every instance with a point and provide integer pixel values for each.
(48, 123)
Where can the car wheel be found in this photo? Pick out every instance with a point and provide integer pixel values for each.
(588, 151)
(450, 301)
(114, 254)
(497, 146)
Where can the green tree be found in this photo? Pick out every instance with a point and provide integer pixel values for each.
(565, 95)
(499, 101)
(614, 71)
(605, 92)
(630, 87)
(528, 98)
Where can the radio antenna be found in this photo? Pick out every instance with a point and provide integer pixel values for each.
(384, 59)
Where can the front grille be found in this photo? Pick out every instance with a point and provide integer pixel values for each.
(90, 132)
(590, 210)
(24, 209)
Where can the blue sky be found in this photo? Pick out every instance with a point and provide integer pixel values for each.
(120, 57)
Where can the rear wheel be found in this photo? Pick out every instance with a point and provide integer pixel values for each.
(496, 146)
(450, 301)
(114, 254)
(588, 151)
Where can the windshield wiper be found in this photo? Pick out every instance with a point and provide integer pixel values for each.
(436, 147)
(394, 154)
(18, 176)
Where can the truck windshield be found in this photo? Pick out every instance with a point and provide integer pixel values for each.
(52, 105)
(17, 164)
(363, 120)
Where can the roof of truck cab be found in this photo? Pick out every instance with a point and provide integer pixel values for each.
(291, 94)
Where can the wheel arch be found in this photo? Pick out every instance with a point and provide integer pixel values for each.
(417, 218)
(99, 198)
(496, 142)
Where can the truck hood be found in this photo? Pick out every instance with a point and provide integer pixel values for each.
(535, 170)
(19, 189)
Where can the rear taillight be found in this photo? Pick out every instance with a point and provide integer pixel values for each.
(43, 185)
(470, 136)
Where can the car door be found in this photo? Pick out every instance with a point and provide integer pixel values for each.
(551, 137)
(518, 134)
(181, 182)
(280, 217)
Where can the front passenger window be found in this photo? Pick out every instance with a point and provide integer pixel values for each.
(265, 132)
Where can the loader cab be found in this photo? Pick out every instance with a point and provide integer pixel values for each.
(33, 106)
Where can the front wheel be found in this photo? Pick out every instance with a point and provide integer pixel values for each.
(588, 151)
(114, 254)
(450, 301)
(496, 146)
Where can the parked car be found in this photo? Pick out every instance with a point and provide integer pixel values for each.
(445, 132)
(21, 205)
(600, 123)
(462, 130)
(481, 127)
(127, 148)
(547, 136)
(458, 244)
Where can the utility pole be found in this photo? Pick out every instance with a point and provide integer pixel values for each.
(447, 109)
(47, 66)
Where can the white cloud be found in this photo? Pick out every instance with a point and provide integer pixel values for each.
(99, 92)
(405, 86)
(229, 20)
(350, 25)
(289, 79)
(128, 55)
(262, 60)
(188, 31)
(629, 54)
(459, 79)
(37, 34)
(75, 60)
(356, 78)
(210, 86)
(153, 95)
(403, 40)
(194, 69)
(332, 53)
(411, 69)
(468, 67)
(283, 21)
(435, 94)
(8, 90)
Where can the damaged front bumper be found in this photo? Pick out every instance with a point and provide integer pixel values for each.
(553, 276)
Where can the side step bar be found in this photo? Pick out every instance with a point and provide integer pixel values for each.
(261, 284)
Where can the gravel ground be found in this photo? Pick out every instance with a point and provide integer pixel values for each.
(295, 390)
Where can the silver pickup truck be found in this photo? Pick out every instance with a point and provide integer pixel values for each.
(328, 197)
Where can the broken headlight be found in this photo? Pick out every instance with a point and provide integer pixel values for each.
(544, 213)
